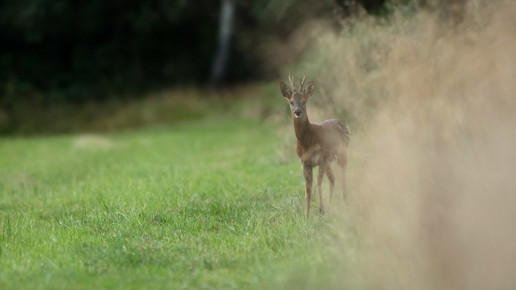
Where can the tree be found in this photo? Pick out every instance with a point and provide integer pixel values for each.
(221, 60)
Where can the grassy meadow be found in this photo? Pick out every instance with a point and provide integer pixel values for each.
(202, 204)
(194, 189)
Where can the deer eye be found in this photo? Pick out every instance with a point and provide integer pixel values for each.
(291, 103)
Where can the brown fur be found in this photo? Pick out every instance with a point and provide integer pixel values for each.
(318, 144)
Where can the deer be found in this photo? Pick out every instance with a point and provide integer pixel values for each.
(318, 144)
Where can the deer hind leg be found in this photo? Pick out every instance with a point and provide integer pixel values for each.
(320, 175)
(307, 172)
(331, 179)
(342, 161)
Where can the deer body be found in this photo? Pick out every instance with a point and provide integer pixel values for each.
(318, 144)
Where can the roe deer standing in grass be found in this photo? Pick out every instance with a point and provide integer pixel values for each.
(317, 144)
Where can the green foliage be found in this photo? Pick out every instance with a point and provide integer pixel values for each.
(254, 102)
(154, 108)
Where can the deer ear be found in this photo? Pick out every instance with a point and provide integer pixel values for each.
(309, 90)
(285, 90)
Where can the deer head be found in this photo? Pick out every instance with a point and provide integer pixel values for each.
(297, 98)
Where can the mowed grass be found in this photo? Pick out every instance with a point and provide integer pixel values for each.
(205, 204)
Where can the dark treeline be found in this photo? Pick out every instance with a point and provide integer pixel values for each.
(75, 50)
(80, 49)
(76, 46)
(72, 50)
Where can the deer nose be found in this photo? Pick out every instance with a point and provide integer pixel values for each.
(297, 112)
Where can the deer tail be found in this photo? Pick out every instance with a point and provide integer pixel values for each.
(345, 132)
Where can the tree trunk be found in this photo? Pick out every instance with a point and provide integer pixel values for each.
(220, 63)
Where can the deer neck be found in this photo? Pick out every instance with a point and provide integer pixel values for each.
(302, 129)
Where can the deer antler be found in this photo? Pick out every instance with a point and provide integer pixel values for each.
(291, 80)
(302, 83)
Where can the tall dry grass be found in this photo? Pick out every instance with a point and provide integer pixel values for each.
(433, 157)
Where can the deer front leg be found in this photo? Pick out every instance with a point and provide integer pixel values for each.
(307, 171)
(320, 175)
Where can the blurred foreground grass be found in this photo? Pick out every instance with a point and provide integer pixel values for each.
(202, 204)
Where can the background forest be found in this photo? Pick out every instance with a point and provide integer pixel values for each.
(59, 52)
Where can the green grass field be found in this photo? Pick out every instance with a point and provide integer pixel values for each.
(200, 204)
